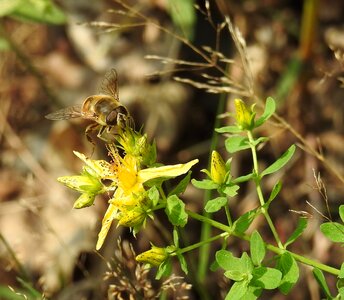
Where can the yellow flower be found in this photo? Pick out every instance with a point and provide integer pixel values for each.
(244, 116)
(130, 182)
(217, 168)
(137, 145)
(155, 256)
(96, 168)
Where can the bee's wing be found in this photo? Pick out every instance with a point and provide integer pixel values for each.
(65, 113)
(109, 85)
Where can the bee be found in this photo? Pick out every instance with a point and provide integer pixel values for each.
(105, 110)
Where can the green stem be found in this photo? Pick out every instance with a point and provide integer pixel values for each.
(229, 230)
(259, 190)
(228, 215)
(200, 244)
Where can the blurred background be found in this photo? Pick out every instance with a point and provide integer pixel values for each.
(168, 56)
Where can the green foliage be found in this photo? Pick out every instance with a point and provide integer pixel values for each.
(270, 107)
(333, 231)
(153, 195)
(215, 205)
(341, 212)
(320, 278)
(204, 184)
(164, 270)
(301, 226)
(249, 275)
(257, 248)
(275, 191)
(280, 162)
(245, 220)
(290, 272)
(182, 185)
(44, 11)
(183, 263)
(175, 211)
(237, 143)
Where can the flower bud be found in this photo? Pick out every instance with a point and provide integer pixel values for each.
(82, 183)
(155, 256)
(217, 168)
(244, 116)
(132, 218)
(84, 200)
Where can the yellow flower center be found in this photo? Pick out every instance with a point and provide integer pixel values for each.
(127, 174)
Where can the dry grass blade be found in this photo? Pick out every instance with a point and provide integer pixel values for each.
(212, 88)
(167, 60)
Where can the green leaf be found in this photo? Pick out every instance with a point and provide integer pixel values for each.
(320, 278)
(259, 140)
(235, 275)
(243, 178)
(245, 220)
(270, 107)
(252, 293)
(204, 184)
(175, 237)
(341, 212)
(267, 278)
(175, 211)
(281, 162)
(231, 191)
(340, 283)
(215, 205)
(275, 191)
(181, 186)
(228, 262)
(257, 248)
(333, 231)
(301, 226)
(229, 129)
(40, 11)
(153, 195)
(341, 293)
(290, 270)
(164, 269)
(236, 143)
(341, 272)
(237, 291)
(183, 263)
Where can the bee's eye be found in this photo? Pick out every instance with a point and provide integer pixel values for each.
(111, 118)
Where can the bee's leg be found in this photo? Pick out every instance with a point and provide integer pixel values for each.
(102, 130)
(89, 129)
(126, 121)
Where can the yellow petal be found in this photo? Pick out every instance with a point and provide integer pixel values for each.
(99, 168)
(82, 183)
(243, 115)
(217, 168)
(106, 223)
(165, 171)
